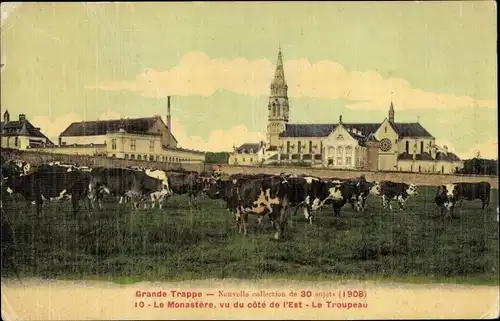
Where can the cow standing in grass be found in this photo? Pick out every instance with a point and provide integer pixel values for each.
(261, 196)
(449, 195)
(50, 183)
(399, 192)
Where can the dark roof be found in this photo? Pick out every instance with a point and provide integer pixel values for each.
(323, 130)
(22, 128)
(101, 127)
(245, 148)
(428, 157)
(447, 157)
(272, 148)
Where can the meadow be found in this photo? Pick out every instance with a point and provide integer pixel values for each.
(178, 243)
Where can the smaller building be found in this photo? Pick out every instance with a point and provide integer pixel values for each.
(21, 134)
(248, 154)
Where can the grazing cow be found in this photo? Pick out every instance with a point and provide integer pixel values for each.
(186, 183)
(121, 182)
(396, 191)
(49, 183)
(306, 192)
(363, 189)
(261, 196)
(448, 195)
(8, 248)
(337, 194)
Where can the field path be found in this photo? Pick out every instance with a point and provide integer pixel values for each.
(64, 300)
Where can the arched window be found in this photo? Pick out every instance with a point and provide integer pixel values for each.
(385, 129)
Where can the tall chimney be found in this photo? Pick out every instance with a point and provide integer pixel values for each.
(169, 120)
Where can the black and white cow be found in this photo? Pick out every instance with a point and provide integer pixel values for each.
(449, 195)
(156, 197)
(191, 183)
(50, 183)
(261, 196)
(122, 182)
(399, 192)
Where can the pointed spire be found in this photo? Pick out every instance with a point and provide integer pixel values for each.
(391, 112)
(279, 74)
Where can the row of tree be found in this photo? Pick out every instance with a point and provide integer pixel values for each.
(480, 166)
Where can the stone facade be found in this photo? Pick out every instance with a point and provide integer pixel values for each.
(384, 146)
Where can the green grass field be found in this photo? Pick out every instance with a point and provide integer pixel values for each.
(178, 242)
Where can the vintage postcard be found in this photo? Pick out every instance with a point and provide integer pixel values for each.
(249, 160)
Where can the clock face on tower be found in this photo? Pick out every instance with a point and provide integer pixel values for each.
(385, 145)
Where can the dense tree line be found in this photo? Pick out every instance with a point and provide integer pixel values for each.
(216, 158)
(479, 166)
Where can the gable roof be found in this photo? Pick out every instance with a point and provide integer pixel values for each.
(22, 128)
(245, 148)
(101, 127)
(323, 130)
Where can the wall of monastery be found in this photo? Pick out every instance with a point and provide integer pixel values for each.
(402, 177)
(37, 158)
(429, 179)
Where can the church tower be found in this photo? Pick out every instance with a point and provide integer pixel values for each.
(391, 113)
(278, 108)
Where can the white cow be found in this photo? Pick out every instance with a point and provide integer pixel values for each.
(165, 192)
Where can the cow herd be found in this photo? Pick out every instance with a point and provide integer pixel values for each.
(259, 195)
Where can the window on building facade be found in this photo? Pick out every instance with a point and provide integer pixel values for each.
(151, 158)
(442, 169)
(288, 147)
(157, 158)
(330, 161)
(385, 129)
(243, 159)
(348, 155)
(16, 141)
(407, 148)
(274, 110)
(251, 159)
(421, 147)
(299, 147)
(340, 154)
(132, 145)
(132, 156)
(151, 146)
(278, 111)
(126, 156)
(419, 168)
(113, 155)
(113, 144)
(310, 147)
